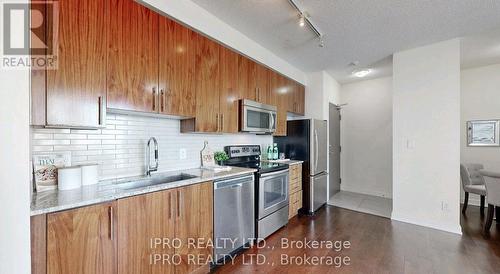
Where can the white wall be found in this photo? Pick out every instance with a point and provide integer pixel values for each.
(426, 121)
(201, 20)
(480, 101)
(120, 148)
(366, 131)
(321, 90)
(14, 172)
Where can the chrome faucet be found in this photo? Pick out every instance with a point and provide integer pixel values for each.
(149, 168)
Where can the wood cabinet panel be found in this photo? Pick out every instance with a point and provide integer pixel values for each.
(132, 70)
(207, 86)
(141, 219)
(301, 99)
(229, 91)
(280, 100)
(177, 69)
(38, 226)
(262, 83)
(247, 70)
(195, 221)
(82, 240)
(75, 88)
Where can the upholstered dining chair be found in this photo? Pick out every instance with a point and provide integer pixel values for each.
(472, 182)
(492, 180)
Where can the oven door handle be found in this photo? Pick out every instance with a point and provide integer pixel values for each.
(265, 175)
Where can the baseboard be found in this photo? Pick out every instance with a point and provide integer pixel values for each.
(366, 192)
(406, 219)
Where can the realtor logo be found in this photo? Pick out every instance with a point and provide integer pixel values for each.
(29, 35)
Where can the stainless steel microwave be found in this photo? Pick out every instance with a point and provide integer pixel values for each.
(257, 118)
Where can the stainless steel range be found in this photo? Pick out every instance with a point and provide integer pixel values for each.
(271, 182)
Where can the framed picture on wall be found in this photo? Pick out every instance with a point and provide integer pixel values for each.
(483, 133)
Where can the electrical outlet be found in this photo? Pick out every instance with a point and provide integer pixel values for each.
(182, 154)
(444, 206)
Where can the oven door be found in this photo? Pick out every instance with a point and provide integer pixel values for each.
(255, 119)
(273, 192)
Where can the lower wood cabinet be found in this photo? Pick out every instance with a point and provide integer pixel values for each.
(82, 240)
(167, 231)
(295, 190)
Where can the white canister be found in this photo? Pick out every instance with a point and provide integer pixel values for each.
(69, 178)
(90, 174)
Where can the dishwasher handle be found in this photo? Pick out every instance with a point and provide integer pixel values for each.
(230, 183)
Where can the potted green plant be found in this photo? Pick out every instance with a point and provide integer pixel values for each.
(220, 157)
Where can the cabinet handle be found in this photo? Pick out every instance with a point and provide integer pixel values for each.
(162, 100)
(218, 121)
(102, 111)
(111, 226)
(257, 94)
(178, 203)
(169, 205)
(154, 99)
(222, 122)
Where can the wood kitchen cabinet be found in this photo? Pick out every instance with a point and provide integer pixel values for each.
(120, 236)
(295, 190)
(207, 88)
(181, 214)
(132, 52)
(296, 97)
(195, 222)
(142, 219)
(229, 91)
(82, 240)
(278, 89)
(73, 94)
(253, 80)
(177, 69)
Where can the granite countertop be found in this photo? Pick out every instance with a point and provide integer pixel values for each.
(109, 190)
(288, 162)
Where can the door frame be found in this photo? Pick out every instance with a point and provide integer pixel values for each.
(330, 177)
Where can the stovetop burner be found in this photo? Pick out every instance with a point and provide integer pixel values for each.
(248, 156)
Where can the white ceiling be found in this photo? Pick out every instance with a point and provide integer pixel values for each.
(368, 31)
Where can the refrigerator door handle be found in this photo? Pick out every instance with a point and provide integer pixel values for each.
(316, 150)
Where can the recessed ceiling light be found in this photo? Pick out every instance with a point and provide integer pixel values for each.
(302, 21)
(361, 73)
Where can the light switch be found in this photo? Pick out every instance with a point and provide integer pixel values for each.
(182, 154)
(410, 144)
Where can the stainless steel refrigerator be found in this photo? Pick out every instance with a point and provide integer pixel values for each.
(306, 140)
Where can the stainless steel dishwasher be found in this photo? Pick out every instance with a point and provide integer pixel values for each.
(234, 215)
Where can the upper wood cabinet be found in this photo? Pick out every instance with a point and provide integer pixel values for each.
(296, 97)
(229, 91)
(75, 92)
(253, 80)
(142, 219)
(177, 69)
(278, 89)
(207, 88)
(132, 71)
(82, 240)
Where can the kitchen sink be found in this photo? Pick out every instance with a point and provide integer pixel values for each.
(155, 180)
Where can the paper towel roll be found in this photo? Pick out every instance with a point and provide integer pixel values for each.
(69, 178)
(90, 174)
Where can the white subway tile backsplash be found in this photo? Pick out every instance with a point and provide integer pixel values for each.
(120, 148)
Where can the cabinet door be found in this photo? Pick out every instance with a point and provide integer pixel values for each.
(301, 97)
(229, 91)
(207, 85)
(82, 240)
(77, 88)
(195, 211)
(291, 95)
(280, 100)
(143, 220)
(262, 83)
(177, 69)
(246, 78)
(132, 56)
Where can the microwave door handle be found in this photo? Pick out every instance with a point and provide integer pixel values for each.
(271, 124)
